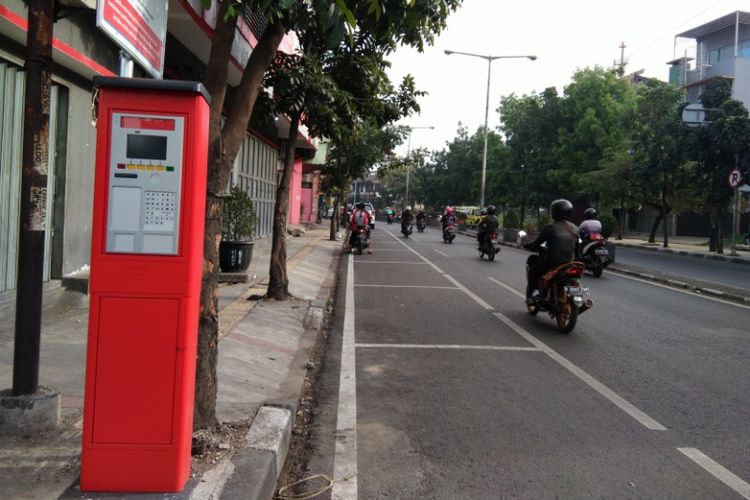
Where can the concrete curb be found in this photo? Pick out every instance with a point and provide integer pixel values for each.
(697, 255)
(255, 469)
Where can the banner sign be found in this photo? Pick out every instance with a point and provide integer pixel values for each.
(139, 27)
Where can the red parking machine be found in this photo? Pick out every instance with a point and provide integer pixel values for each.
(146, 261)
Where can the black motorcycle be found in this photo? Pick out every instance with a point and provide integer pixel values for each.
(449, 233)
(489, 246)
(406, 228)
(560, 294)
(421, 224)
(361, 241)
(595, 254)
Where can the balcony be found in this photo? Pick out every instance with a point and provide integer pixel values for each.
(721, 68)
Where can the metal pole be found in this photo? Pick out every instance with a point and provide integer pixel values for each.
(408, 169)
(126, 65)
(734, 224)
(486, 115)
(28, 326)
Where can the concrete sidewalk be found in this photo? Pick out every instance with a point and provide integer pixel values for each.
(263, 354)
(685, 245)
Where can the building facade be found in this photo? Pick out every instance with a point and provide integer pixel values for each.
(82, 51)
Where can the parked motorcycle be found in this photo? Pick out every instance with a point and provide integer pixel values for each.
(449, 233)
(361, 241)
(421, 224)
(406, 228)
(489, 246)
(595, 254)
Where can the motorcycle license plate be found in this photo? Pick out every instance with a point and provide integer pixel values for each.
(577, 290)
(601, 251)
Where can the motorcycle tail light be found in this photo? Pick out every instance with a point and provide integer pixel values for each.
(493, 235)
(575, 272)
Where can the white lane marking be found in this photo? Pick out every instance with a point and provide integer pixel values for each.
(362, 261)
(345, 459)
(602, 389)
(687, 292)
(436, 268)
(446, 346)
(469, 293)
(450, 278)
(718, 471)
(441, 253)
(507, 287)
(408, 286)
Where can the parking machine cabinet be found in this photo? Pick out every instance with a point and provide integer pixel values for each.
(146, 261)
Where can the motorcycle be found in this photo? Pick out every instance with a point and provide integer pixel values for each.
(361, 241)
(406, 228)
(595, 254)
(560, 293)
(489, 246)
(449, 233)
(390, 218)
(421, 224)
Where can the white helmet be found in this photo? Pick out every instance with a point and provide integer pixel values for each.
(408, 207)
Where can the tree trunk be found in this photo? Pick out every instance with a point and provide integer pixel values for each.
(278, 283)
(334, 219)
(621, 217)
(223, 147)
(652, 235)
(665, 211)
(719, 232)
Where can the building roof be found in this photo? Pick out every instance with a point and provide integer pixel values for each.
(716, 25)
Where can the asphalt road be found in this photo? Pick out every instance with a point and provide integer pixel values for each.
(437, 384)
(727, 273)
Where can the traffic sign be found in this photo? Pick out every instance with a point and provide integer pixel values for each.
(734, 178)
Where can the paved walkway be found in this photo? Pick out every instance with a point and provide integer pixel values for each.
(685, 245)
(262, 360)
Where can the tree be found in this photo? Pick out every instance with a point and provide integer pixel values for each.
(389, 22)
(661, 166)
(594, 115)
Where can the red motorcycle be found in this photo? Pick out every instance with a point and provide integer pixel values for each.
(361, 241)
(560, 294)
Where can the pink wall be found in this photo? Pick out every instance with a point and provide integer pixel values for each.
(295, 194)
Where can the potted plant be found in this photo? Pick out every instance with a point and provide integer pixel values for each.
(236, 247)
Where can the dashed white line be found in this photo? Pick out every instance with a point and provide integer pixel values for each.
(446, 346)
(441, 253)
(372, 285)
(510, 289)
(345, 459)
(469, 293)
(718, 471)
(602, 389)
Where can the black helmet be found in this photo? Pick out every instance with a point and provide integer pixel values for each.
(361, 205)
(561, 209)
(491, 210)
(590, 213)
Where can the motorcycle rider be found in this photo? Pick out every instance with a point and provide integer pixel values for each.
(489, 224)
(406, 217)
(448, 218)
(421, 216)
(561, 237)
(360, 218)
(590, 224)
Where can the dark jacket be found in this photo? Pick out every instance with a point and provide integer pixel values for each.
(488, 224)
(561, 238)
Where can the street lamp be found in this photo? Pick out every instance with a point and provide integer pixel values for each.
(408, 165)
(489, 60)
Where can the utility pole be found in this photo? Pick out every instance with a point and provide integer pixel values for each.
(33, 197)
(621, 68)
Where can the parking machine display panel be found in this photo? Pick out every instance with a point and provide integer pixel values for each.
(145, 179)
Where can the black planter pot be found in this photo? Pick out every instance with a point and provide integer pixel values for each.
(235, 256)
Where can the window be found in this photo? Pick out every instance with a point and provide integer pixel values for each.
(726, 53)
(744, 48)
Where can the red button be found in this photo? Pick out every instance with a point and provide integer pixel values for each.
(121, 165)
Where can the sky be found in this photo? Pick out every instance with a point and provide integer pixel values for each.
(564, 35)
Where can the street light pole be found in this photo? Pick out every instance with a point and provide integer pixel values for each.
(489, 60)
